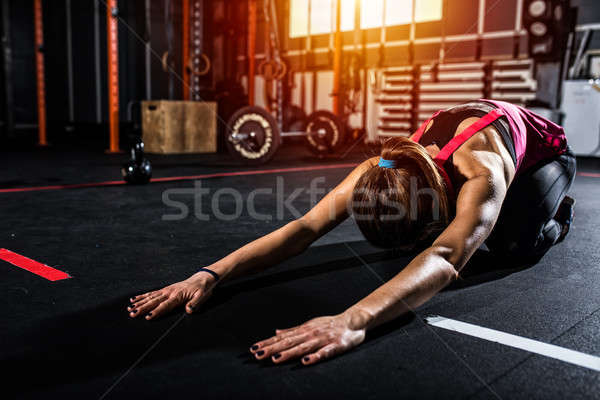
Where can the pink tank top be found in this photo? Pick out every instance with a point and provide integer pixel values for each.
(534, 137)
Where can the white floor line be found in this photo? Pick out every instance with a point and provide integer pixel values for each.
(534, 346)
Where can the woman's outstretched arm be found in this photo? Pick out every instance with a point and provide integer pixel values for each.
(293, 238)
(267, 251)
(478, 206)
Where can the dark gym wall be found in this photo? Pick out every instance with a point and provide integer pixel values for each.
(24, 83)
(55, 59)
(20, 78)
(589, 13)
(85, 68)
(84, 61)
(160, 78)
(87, 29)
(131, 55)
(227, 22)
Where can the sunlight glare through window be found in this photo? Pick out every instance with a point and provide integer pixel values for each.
(397, 12)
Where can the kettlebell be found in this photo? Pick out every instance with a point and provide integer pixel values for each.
(138, 169)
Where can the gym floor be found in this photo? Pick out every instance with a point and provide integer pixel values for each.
(73, 338)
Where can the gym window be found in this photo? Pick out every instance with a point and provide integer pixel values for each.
(322, 18)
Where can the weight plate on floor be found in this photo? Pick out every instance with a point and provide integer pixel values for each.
(324, 132)
(252, 135)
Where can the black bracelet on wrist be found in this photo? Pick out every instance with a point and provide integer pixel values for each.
(213, 273)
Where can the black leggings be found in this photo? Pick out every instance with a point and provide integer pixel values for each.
(526, 228)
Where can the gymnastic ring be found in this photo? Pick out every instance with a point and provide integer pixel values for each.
(262, 70)
(279, 67)
(282, 71)
(165, 61)
(203, 71)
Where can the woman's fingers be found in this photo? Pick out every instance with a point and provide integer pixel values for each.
(279, 345)
(280, 331)
(190, 293)
(322, 354)
(164, 307)
(137, 298)
(195, 302)
(257, 346)
(146, 307)
(314, 341)
(260, 345)
(299, 350)
(285, 331)
(140, 302)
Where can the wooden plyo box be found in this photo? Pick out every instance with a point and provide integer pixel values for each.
(175, 127)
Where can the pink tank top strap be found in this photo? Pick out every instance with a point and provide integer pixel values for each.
(447, 181)
(419, 133)
(465, 135)
(456, 142)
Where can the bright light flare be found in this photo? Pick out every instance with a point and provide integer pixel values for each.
(322, 21)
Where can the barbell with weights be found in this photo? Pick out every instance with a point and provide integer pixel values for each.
(253, 136)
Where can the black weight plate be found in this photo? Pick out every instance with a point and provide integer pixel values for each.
(325, 133)
(252, 135)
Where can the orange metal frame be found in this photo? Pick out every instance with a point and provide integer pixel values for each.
(251, 50)
(185, 45)
(337, 60)
(113, 74)
(39, 63)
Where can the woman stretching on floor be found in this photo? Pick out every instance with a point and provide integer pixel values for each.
(443, 190)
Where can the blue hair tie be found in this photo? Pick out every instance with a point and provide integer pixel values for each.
(383, 163)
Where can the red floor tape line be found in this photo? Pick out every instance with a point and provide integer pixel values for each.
(32, 266)
(589, 174)
(180, 178)
(205, 176)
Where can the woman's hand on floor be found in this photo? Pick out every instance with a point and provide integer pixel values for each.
(192, 292)
(314, 341)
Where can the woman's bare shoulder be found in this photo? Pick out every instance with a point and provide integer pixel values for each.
(484, 154)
